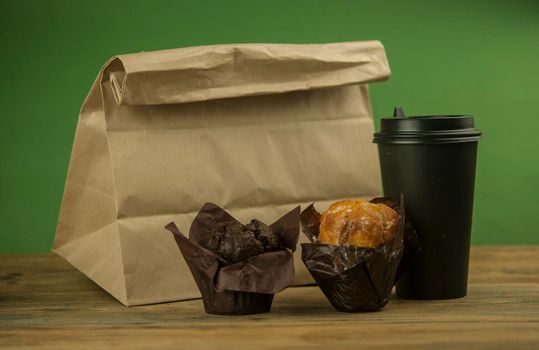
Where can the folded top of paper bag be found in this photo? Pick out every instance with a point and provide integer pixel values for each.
(224, 71)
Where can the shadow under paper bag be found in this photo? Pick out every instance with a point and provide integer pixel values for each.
(245, 287)
(358, 279)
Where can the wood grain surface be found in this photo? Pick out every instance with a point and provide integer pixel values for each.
(46, 304)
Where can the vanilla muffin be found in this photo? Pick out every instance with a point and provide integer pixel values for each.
(357, 223)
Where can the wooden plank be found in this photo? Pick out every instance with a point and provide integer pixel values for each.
(46, 304)
(304, 305)
(442, 335)
(502, 264)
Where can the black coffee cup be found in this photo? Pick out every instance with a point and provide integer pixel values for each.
(431, 159)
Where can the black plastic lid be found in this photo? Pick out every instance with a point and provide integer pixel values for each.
(426, 129)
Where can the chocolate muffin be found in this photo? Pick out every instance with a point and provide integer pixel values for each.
(238, 268)
(236, 242)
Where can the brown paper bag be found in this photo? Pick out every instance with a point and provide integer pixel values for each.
(255, 128)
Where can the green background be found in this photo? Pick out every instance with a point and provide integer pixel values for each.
(447, 57)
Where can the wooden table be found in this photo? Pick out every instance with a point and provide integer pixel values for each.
(46, 304)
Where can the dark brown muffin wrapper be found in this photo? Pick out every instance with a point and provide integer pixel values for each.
(245, 287)
(358, 279)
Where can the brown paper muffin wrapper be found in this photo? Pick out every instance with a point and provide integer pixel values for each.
(358, 279)
(245, 287)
